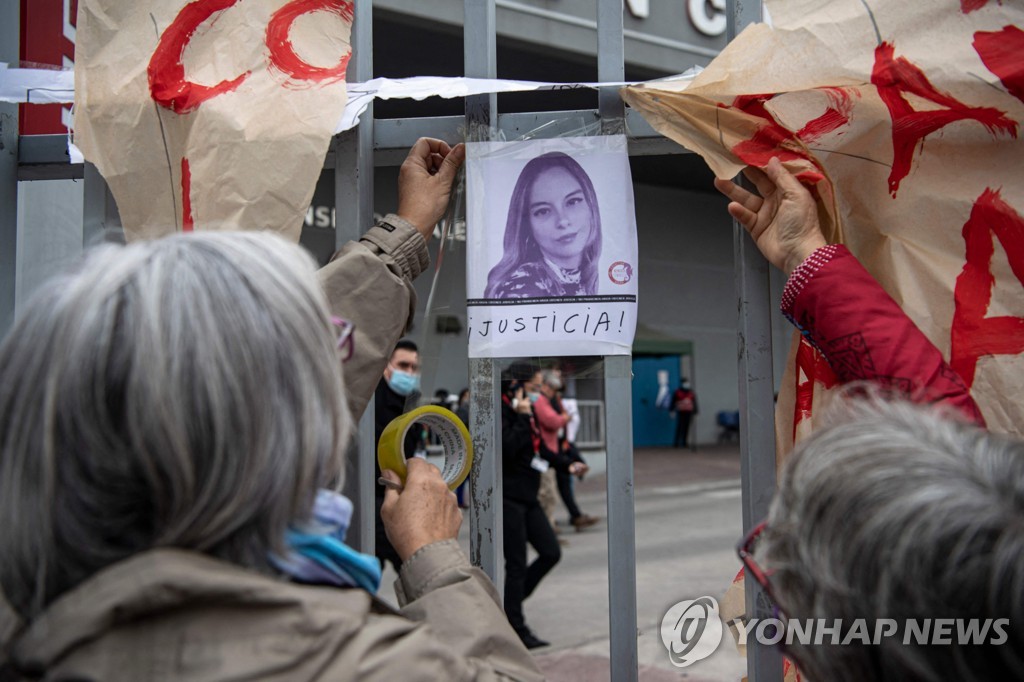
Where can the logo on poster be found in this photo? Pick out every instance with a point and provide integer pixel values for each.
(620, 272)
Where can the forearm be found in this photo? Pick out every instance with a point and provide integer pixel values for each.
(865, 335)
(369, 283)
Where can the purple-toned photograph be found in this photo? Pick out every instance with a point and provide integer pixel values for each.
(552, 242)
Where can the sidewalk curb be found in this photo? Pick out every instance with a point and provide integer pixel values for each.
(685, 489)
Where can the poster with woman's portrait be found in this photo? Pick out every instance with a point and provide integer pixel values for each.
(552, 255)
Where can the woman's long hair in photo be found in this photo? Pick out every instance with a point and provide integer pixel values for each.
(520, 247)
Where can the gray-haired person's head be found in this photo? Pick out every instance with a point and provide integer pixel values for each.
(551, 379)
(898, 512)
(182, 393)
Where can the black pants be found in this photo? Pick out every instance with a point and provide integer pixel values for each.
(564, 479)
(382, 546)
(682, 428)
(526, 522)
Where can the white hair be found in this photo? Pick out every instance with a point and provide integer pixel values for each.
(897, 511)
(550, 378)
(184, 392)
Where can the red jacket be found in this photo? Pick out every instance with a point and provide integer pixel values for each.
(549, 420)
(865, 335)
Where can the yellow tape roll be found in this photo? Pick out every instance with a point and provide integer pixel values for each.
(449, 429)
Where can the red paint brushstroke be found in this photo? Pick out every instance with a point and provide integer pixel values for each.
(1003, 54)
(187, 223)
(282, 52)
(894, 77)
(167, 83)
(813, 367)
(968, 6)
(774, 140)
(770, 140)
(973, 335)
(835, 117)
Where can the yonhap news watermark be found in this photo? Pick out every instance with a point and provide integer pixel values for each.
(692, 630)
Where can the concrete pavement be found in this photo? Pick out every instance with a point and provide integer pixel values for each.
(687, 524)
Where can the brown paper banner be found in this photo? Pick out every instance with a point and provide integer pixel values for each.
(210, 114)
(911, 115)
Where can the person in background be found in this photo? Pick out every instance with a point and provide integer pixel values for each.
(398, 388)
(891, 510)
(462, 408)
(524, 519)
(567, 445)
(684, 405)
(442, 398)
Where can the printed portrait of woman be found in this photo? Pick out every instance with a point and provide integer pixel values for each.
(552, 238)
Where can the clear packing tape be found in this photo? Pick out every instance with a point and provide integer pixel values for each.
(445, 426)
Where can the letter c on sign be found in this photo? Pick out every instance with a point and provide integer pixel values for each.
(710, 24)
(282, 53)
(167, 83)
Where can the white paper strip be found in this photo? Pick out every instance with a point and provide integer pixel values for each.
(36, 86)
(420, 87)
(48, 86)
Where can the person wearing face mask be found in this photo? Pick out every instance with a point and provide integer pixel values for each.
(684, 404)
(400, 386)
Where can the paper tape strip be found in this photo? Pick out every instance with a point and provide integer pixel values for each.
(449, 429)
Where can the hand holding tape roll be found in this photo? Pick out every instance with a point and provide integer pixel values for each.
(449, 429)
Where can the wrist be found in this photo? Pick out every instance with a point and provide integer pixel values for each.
(802, 252)
(422, 224)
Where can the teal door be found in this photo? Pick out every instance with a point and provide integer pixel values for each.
(653, 426)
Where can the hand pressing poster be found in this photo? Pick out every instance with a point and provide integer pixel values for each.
(552, 249)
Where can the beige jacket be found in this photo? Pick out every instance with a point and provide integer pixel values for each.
(172, 615)
(369, 283)
(176, 615)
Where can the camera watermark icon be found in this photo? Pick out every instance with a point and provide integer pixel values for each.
(691, 631)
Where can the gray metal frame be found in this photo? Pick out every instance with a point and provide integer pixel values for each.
(486, 513)
(618, 378)
(756, 388)
(353, 199)
(10, 27)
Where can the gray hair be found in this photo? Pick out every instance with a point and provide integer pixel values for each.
(897, 511)
(182, 393)
(550, 378)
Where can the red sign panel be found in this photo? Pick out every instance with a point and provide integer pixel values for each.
(47, 39)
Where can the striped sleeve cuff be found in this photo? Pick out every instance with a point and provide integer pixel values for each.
(804, 272)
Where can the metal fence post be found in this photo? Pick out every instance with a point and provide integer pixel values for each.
(618, 373)
(486, 514)
(353, 207)
(756, 390)
(10, 24)
(95, 208)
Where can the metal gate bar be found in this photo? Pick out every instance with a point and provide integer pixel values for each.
(756, 389)
(486, 517)
(353, 201)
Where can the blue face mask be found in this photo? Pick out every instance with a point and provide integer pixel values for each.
(403, 383)
(533, 396)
